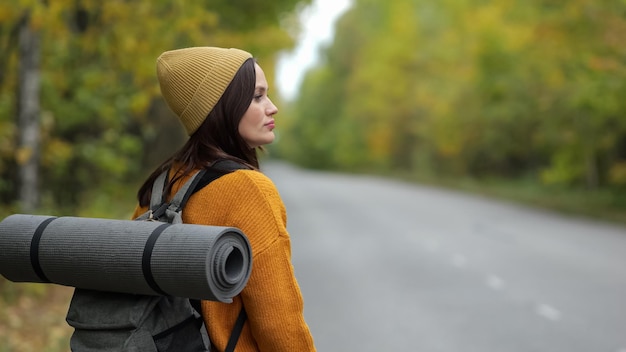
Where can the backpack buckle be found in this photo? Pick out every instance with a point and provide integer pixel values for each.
(155, 215)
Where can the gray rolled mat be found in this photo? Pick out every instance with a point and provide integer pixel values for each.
(142, 257)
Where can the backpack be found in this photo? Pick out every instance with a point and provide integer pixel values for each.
(111, 321)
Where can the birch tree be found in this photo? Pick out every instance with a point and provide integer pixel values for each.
(28, 114)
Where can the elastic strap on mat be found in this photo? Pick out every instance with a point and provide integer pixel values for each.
(34, 249)
(147, 256)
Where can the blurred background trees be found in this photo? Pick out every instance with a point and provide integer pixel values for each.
(80, 112)
(521, 90)
(532, 91)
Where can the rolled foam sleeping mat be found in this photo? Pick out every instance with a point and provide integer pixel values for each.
(139, 257)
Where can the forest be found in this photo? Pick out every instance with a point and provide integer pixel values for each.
(530, 95)
(81, 118)
(527, 93)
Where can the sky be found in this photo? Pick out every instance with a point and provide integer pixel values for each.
(317, 29)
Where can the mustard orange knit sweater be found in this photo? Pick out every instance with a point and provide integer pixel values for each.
(249, 200)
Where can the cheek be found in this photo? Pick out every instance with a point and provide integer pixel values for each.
(248, 124)
(254, 117)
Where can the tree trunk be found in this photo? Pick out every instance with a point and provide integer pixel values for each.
(28, 116)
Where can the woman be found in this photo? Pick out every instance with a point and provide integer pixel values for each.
(221, 98)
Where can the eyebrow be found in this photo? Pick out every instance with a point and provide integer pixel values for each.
(261, 88)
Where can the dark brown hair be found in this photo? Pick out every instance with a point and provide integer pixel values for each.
(217, 137)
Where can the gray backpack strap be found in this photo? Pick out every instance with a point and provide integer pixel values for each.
(157, 190)
(183, 194)
(156, 199)
(179, 200)
(170, 211)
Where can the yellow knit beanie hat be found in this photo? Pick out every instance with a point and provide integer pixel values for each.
(192, 80)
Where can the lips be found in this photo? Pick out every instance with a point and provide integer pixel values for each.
(270, 124)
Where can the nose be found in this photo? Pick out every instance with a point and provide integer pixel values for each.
(271, 109)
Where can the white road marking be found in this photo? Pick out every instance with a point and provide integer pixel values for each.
(548, 312)
(495, 282)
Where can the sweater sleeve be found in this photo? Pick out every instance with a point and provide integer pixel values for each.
(272, 297)
(274, 304)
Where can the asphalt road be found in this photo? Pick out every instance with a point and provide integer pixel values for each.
(389, 266)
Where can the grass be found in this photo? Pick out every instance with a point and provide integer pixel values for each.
(32, 317)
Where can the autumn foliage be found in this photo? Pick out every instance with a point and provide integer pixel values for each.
(102, 122)
(504, 88)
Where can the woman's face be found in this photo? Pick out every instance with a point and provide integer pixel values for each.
(257, 124)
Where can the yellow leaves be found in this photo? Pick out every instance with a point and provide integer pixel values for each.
(199, 22)
(114, 11)
(379, 142)
(56, 152)
(57, 15)
(489, 16)
(9, 12)
(614, 33)
(603, 63)
(263, 43)
(139, 103)
(403, 21)
(494, 18)
(23, 155)
(24, 4)
(38, 17)
(571, 165)
(617, 173)
(554, 78)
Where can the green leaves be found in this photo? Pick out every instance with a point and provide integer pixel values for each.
(100, 99)
(480, 88)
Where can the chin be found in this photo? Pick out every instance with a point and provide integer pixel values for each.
(270, 139)
(263, 141)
